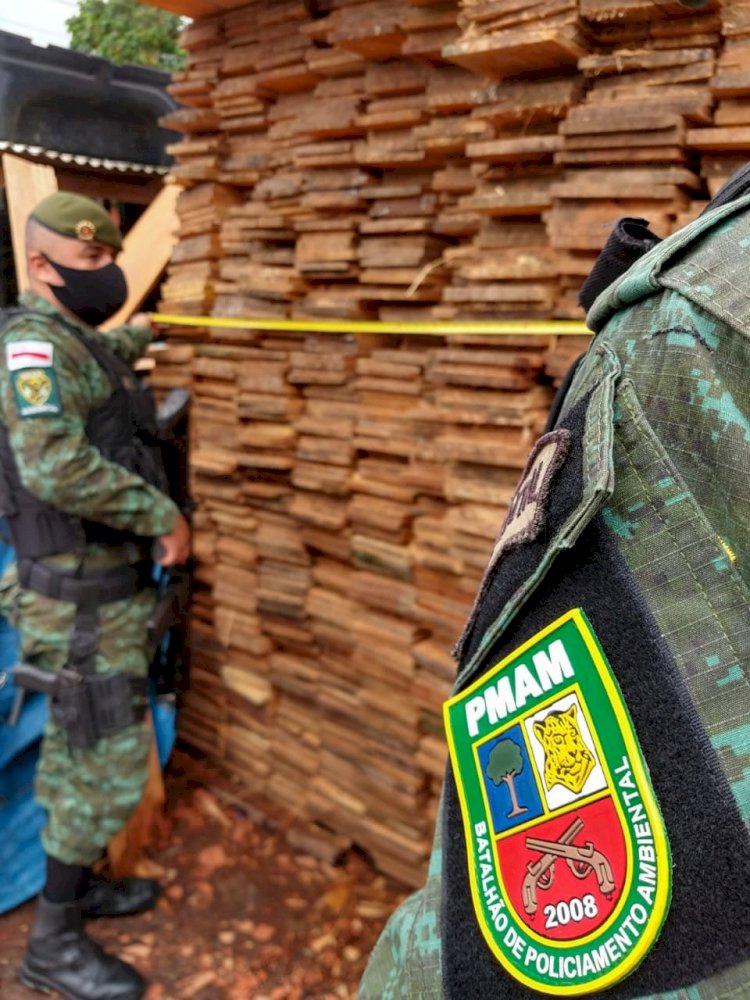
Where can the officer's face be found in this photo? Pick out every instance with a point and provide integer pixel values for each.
(80, 254)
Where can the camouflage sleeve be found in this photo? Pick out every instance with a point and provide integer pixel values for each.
(406, 961)
(44, 402)
(128, 342)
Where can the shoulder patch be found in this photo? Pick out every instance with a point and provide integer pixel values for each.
(36, 392)
(526, 514)
(569, 861)
(29, 354)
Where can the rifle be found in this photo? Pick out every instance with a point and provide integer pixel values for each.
(170, 607)
(169, 667)
(172, 419)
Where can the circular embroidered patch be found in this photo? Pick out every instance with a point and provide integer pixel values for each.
(569, 862)
(35, 386)
(85, 230)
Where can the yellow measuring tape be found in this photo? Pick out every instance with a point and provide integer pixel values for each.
(490, 328)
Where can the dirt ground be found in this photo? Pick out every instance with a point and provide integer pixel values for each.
(242, 917)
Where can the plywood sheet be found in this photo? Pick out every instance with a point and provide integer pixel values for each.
(147, 249)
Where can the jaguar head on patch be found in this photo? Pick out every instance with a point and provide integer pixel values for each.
(567, 759)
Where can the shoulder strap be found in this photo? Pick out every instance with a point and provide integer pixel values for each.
(629, 240)
(10, 315)
(102, 354)
(645, 277)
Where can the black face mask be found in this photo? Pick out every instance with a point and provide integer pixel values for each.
(92, 296)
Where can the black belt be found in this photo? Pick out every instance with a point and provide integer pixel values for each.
(89, 587)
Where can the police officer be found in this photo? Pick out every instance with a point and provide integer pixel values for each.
(85, 497)
(593, 830)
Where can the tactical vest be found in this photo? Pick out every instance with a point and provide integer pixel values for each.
(124, 429)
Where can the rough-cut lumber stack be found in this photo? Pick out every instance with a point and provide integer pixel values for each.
(505, 38)
(476, 419)
(392, 160)
(723, 147)
(624, 146)
(510, 269)
(374, 120)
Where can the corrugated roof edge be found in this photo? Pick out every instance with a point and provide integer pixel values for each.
(79, 160)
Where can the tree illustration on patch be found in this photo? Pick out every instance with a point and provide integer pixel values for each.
(504, 764)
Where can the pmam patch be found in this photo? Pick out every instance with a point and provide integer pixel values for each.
(569, 861)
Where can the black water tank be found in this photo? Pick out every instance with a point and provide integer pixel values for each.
(75, 103)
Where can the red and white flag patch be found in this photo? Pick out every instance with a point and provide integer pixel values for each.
(29, 354)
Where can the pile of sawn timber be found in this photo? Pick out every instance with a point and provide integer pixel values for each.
(396, 160)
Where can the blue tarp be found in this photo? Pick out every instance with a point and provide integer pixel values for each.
(22, 862)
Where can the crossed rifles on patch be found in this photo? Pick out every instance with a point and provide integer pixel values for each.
(582, 861)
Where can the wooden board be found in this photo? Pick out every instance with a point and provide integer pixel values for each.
(146, 251)
(196, 8)
(26, 184)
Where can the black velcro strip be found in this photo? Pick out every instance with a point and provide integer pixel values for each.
(708, 925)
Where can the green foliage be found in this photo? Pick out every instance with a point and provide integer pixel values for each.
(505, 760)
(125, 31)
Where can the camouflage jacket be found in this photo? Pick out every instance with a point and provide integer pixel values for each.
(593, 834)
(56, 462)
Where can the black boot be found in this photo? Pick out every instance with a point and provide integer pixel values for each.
(118, 899)
(61, 957)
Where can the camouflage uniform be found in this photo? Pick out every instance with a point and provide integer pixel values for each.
(662, 401)
(89, 794)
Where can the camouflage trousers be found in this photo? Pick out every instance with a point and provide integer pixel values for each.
(88, 794)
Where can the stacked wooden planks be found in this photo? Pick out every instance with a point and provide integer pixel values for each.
(505, 38)
(395, 160)
(723, 147)
(624, 146)
(511, 268)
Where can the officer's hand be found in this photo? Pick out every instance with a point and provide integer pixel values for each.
(140, 319)
(174, 548)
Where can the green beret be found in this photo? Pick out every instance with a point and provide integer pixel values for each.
(78, 218)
